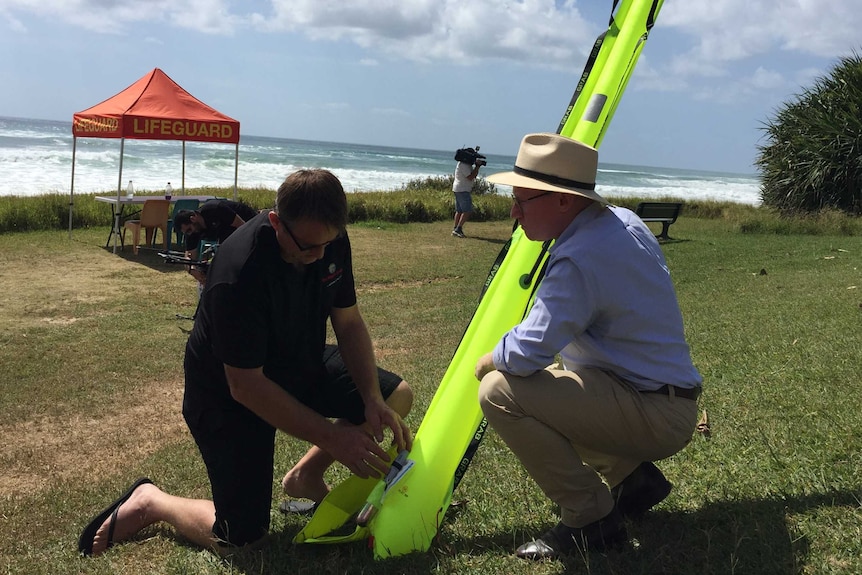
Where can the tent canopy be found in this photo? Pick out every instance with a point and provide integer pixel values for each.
(155, 108)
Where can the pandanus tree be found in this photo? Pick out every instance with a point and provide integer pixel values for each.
(812, 157)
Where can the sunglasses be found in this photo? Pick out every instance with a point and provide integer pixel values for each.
(520, 203)
(304, 247)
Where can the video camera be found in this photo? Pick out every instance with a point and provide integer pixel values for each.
(471, 156)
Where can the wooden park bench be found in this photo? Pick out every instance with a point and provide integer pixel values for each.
(664, 212)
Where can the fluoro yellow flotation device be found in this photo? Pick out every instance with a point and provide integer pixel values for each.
(402, 512)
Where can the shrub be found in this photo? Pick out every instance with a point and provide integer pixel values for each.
(481, 186)
(51, 211)
(813, 155)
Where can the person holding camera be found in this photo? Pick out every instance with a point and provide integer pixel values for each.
(469, 162)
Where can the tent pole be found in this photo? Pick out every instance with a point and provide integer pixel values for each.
(72, 187)
(183, 185)
(119, 208)
(235, 169)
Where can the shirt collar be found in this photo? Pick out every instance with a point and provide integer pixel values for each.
(587, 215)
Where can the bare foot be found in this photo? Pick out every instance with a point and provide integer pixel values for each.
(132, 516)
(298, 485)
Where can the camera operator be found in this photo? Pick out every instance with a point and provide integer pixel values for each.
(469, 162)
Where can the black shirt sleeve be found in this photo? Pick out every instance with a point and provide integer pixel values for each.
(239, 327)
(346, 294)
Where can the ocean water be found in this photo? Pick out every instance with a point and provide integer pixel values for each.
(36, 158)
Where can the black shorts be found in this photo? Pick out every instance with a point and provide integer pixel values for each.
(238, 450)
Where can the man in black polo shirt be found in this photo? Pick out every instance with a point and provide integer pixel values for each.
(215, 220)
(257, 361)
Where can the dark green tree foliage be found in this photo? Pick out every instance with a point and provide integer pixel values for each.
(813, 155)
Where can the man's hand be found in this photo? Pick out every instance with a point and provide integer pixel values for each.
(198, 275)
(358, 451)
(358, 447)
(485, 365)
(378, 416)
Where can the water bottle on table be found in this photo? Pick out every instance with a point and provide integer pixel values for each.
(168, 191)
(130, 191)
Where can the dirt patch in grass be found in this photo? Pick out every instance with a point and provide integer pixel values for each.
(38, 453)
(55, 290)
(376, 287)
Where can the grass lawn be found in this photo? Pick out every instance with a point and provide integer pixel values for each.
(91, 351)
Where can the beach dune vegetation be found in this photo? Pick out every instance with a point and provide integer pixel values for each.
(419, 200)
(424, 200)
(481, 186)
(812, 158)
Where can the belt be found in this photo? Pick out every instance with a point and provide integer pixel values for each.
(684, 392)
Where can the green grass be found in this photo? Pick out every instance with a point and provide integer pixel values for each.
(772, 314)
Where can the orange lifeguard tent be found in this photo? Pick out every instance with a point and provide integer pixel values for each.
(153, 108)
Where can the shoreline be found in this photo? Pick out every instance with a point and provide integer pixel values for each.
(36, 160)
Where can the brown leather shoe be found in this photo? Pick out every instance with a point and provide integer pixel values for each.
(563, 540)
(644, 488)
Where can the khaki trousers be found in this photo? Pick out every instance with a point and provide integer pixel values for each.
(570, 429)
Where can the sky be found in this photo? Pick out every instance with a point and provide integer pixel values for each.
(435, 74)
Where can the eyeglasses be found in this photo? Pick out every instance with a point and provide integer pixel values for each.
(302, 247)
(520, 203)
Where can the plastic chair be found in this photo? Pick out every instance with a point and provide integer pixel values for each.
(207, 249)
(188, 204)
(154, 216)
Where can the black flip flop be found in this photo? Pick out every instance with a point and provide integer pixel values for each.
(294, 507)
(85, 542)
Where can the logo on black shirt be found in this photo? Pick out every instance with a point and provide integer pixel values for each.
(333, 276)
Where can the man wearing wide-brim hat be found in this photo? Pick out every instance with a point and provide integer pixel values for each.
(626, 391)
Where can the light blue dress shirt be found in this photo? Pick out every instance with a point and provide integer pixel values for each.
(607, 302)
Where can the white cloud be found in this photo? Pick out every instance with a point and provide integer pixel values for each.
(208, 16)
(766, 79)
(118, 16)
(646, 77)
(13, 24)
(751, 45)
(390, 112)
(732, 30)
(739, 88)
(541, 32)
(545, 32)
(723, 42)
(423, 30)
(334, 19)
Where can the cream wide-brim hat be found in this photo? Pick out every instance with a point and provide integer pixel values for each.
(554, 163)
